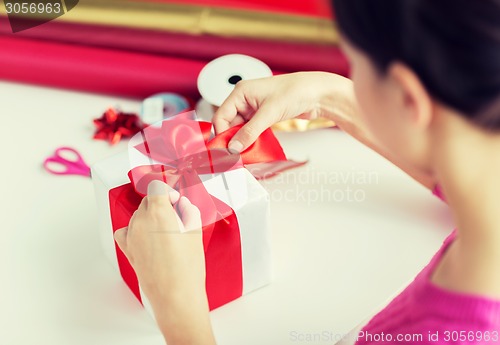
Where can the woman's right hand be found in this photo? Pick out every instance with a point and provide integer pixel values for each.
(263, 102)
(260, 103)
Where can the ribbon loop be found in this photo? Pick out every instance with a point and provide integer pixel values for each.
(179, 150)
(178, 154)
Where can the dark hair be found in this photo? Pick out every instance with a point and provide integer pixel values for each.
(452, 45)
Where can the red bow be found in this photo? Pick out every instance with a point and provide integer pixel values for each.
(113, 125)
(180, 151)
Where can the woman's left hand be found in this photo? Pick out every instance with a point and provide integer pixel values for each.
(166, 251)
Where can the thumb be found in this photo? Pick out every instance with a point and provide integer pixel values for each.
(246, 136)
(120, 236)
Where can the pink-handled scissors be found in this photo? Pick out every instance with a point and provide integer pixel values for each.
(67, 166)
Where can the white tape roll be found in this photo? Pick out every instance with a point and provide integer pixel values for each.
(218, 78)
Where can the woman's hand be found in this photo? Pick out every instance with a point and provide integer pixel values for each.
(166, 252)
(263, 102)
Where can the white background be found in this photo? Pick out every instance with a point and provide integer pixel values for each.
(335, 262)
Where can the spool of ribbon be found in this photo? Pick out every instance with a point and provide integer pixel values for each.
(219, 77)
(163, 106)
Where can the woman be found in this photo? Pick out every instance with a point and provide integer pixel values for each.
(425, 93)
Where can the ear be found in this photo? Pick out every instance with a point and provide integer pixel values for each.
(414, 95)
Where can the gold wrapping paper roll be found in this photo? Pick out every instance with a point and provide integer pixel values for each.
(203, 20)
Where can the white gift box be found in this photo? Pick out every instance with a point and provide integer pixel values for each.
(237, 188)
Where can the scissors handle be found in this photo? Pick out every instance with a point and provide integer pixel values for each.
(69, 166)
(61, 150)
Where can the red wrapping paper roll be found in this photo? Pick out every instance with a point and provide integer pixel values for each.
(95, 69)
(283, 56)
(314, 8)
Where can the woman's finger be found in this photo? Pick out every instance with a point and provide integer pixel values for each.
(189, 214)
(120, 236)
(234, 106)
(159, 199)
(223, 117)
(237, 121)
(160, 188)
(246, 136)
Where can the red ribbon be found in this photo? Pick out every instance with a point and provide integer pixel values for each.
(180, 151)
(180, 145)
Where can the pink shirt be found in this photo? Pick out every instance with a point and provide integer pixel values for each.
(425, 313)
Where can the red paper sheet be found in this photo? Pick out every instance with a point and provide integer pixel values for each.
(283, 56)
(315, 8)
(96, 70)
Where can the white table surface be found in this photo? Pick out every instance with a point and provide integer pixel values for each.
(335, 261)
